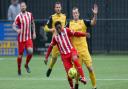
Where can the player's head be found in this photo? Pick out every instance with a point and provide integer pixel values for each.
(23, 6)
(58, 27)
(58, 7)
(14, 2)
(75, 13)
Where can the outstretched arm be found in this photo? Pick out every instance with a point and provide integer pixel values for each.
(49, 50)
(81, 34)
(77, 34)
(48, 53)
(95, 12)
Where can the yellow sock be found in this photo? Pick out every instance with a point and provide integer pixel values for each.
(93, 79)
(52, 62)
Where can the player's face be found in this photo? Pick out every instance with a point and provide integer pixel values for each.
(58, 28)
(23, 7)
(58, 8)
(75, 14)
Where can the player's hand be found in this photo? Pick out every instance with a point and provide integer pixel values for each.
(18, 31)
(34, 35)
(88, 35)
(95, 9)
(45, 61)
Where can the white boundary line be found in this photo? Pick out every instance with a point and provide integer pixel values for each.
(54, 79)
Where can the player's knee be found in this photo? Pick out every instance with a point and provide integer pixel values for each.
(74, 58)
(54, 58)
(30, 50)
(90, 69)
(20, 56)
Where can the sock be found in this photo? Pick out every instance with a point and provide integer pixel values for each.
(77, 79)
(79, 68)
(76, 86)
(52, 62)
(28, 58)
(93, 79)
(70, 82)
(19, 60)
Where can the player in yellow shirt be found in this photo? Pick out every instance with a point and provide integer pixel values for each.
(49, 27)
(80, 43)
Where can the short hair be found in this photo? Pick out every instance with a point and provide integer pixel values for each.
(57, 3)
(22, 3)
(57, 23)
(74, 8)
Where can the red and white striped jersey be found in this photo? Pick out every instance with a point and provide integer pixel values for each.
(63, 40)
(24, 21)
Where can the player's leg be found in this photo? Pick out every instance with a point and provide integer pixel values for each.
(19, 60)
(78, 76)
(78, 66)
(67, 65)
(70, 82)
(20, 54)
(53, 60)
(77, 81)
(88, 63)
(29, 48)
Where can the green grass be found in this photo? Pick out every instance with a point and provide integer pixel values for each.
(111, 73)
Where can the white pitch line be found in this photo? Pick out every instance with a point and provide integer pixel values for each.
(53, 79)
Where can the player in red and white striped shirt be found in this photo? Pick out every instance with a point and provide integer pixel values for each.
(67, 51)
(22, 25)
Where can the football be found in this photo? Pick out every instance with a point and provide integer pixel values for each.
(72, 73)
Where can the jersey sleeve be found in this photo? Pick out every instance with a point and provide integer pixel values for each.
(49, 22)
(87, 23)
(65, 20)
(73, 33)
(48, 26)
(53, 42)
(69, 32)
(17, 20)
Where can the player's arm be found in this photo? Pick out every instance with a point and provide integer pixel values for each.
(9, 13)
(66, 22)
(77, 34)
(15, 25)
(49, 50)
(48, 26)
(95, 12)
(33, 28)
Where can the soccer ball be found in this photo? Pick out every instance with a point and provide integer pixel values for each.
(72, 73)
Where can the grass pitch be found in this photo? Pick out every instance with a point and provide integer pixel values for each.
(111, 73)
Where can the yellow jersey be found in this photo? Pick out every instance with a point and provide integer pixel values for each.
(52, 20)
(79, 43)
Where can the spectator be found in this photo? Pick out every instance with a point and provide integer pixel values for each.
(14, 9)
